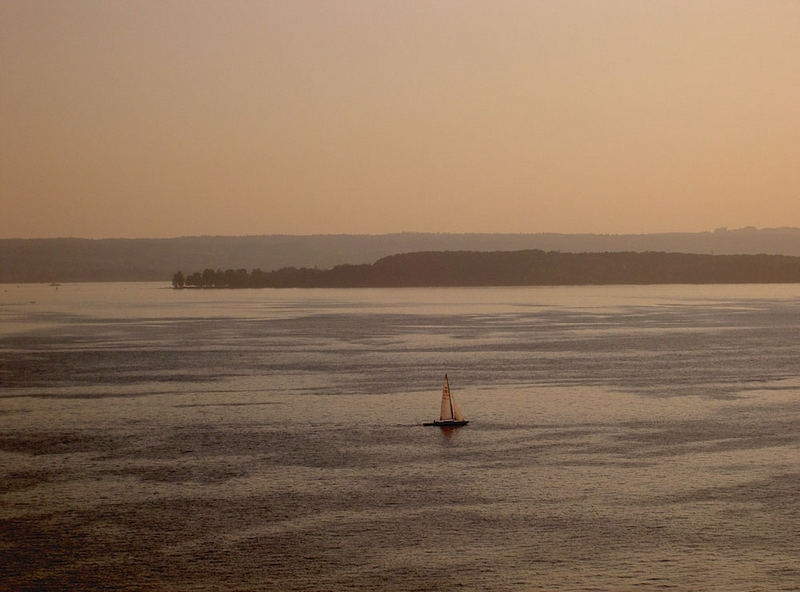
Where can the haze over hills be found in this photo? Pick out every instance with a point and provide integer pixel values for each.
(74, 259)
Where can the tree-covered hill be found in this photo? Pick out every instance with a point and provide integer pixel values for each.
(78, 259)
(514, 268)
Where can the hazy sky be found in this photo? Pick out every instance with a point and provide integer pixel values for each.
(167, 118)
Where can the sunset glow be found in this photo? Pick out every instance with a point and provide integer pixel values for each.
(158, 119)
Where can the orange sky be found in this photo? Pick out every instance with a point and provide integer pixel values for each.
(165, 118)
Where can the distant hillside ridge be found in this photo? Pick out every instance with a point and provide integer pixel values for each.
(76, 259)
(514, 268)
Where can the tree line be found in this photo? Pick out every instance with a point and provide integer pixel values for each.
(288, 277)
(512, 268)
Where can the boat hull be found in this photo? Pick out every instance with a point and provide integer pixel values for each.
(447, 423)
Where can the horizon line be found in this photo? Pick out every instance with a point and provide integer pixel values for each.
(718, 230)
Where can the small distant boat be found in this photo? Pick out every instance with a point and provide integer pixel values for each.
(450, 416)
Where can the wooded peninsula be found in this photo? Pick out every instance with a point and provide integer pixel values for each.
(513, 268)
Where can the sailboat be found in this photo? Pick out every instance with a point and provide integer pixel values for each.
(450, 416)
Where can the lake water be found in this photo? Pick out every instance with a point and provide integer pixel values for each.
(621, 438)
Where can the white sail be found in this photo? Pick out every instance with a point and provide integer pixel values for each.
(450, 410)
(456, 411)
(447, 407)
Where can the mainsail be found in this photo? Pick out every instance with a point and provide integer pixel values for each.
(450, 411)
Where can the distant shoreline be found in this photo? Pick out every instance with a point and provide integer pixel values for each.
(141, 259)
(512, 268)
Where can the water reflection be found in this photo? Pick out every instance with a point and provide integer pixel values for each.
(448, 432)
(628, 437)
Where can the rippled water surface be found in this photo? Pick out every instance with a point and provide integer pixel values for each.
(621, 438)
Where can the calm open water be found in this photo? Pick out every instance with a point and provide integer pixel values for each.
(621, 438)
